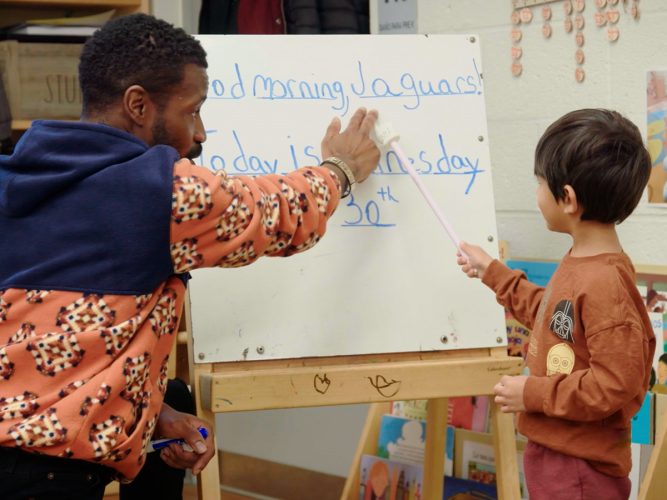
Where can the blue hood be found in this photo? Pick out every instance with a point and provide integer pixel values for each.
(53, 156)
(85, 207)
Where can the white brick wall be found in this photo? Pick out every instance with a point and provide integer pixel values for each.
(519, 109)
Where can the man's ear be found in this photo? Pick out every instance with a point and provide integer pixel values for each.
(136, 104)
(569, 202)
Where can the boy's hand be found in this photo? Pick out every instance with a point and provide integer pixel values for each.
(509, 393)
(474, 262)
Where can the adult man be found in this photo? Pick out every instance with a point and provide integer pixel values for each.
(101, 221)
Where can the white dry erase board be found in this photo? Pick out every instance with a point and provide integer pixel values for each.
(384, 278)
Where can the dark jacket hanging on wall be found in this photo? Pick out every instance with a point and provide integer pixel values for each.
(284, 16)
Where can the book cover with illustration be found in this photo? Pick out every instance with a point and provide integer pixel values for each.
(474, 458)
(383, 479)
(403, 440)
(466, 489)
(467, 412)
(413, 408)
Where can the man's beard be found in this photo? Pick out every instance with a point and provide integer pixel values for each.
(161, 136)
(195, 151)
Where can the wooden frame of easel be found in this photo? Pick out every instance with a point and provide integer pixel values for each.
(654, 484)
(377, 379)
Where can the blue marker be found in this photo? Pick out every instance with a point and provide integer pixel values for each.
(163, 443)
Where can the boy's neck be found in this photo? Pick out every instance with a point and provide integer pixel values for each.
(593, 238)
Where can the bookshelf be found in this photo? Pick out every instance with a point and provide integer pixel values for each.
(16, 11)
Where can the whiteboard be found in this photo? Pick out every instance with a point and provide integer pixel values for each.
(384, 278)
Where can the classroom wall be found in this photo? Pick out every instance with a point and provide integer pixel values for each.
(518, 109)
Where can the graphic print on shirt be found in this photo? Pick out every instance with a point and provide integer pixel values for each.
(55, 352)
(184, 255)
(164, 375)
(4, 308)
(560, 359)
(234, 220)
(146, 436)
(36, 296)
(190, 199)
(319, 188)
(136, 373)
(562, 321)
(164, 318)
(242, 256)
(100, 398)
(39, 430)
(87, 313)
(21, 406)
(6, 366)
(25, 331)
(118, 336)
(103, 437)
(142, 300)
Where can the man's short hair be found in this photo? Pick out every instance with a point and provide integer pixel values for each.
(135, 50)
(601, 155)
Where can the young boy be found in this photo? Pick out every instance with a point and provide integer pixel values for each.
(591, 347)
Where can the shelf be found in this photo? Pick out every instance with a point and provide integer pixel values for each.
(21, 124)
(16, 11)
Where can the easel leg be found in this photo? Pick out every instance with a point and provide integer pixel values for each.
(367, 446)
(654, 485)
(208, 480)
(434, 451)
(504, 446)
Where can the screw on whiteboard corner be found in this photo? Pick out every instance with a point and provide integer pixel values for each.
(480, 138)
(201, 355)
(444, 339)
(499, 340)
(490, 238)
(472, 39)
(260, 349)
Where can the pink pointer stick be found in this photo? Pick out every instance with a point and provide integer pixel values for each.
(387, 136)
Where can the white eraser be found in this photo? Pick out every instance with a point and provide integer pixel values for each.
(385, 133)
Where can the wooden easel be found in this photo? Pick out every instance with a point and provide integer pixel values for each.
(378, 379)
(504, 445)
(654, 484)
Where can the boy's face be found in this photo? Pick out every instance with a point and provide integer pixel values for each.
(552, 211)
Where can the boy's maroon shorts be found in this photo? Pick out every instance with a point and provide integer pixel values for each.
(551, 475)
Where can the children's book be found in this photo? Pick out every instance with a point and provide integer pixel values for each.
(403, 440)
(383, 479)
(413, 408)
(474, 458)
(465, 489)
(467, 412)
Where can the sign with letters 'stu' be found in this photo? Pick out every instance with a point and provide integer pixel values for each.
(384, 277)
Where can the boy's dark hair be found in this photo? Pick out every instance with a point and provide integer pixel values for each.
(601, 155)
(135, 50)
